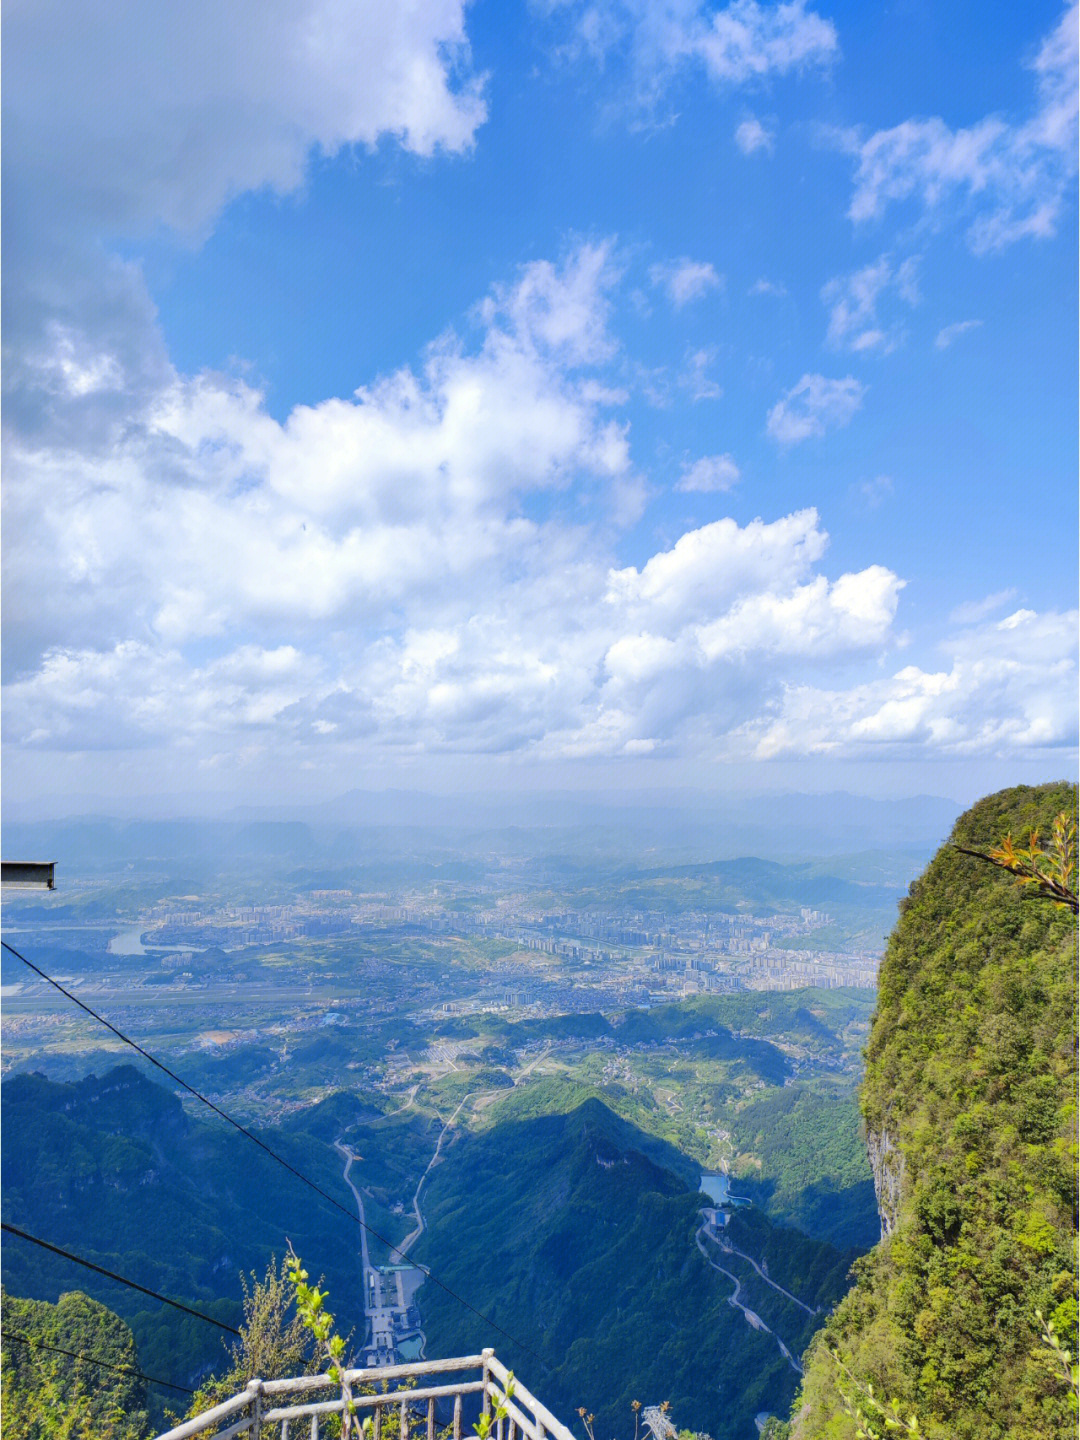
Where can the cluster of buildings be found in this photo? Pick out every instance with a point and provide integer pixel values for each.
(652, 951)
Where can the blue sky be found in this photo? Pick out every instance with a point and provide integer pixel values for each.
(613, 395)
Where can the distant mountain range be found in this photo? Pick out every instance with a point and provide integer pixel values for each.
(682, 828)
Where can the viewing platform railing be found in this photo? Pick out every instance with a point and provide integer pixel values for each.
(278, 1407)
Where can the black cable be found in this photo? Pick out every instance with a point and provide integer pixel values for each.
(354, 1219)
(104, 1364)
(111, 1275)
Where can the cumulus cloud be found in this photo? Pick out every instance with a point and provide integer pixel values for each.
(854, 300)
(751, 136)
(739, 44)
(948, 333)
(1011, 177)
(710, 474)
(433, 562)
(240, 520)
(130, 118)
(1008, 688)
(121, 121)
(685, 280)
(367, 570)
(813, 407)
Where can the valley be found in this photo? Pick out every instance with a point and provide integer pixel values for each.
(529, 1126)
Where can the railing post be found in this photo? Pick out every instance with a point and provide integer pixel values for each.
(457, 1417)
(376, 1428)
(431, 1420)
(254, 1388)
(486, 1355)
(404, 1420)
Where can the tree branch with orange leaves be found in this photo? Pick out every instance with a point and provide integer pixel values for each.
(1043, 874)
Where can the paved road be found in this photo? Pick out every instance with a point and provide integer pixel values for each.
(414, 1235)
(531, 1066)
(402, 1108)
(730, 1249)
(385, 1302)
(349, 1158)
(751, 1317)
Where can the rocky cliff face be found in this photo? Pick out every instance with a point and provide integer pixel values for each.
(970, 1113)
(889, 1168)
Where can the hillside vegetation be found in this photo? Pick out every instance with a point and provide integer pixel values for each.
(969, 1104)
(114, 1169)
(48, 1392)
(578, 1230)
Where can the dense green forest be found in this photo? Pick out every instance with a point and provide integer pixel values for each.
(970, 1105)
(572, 1228)
(47, 1392)
(568, 1208)
(114, 1169)
(578, 1230)
(811, 1144)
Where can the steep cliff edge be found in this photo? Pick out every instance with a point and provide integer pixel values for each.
(969, 1105)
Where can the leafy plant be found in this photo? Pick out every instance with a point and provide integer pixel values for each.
(875, 1419)
(49, 1392)
(1049, 870)
(969, 1094)
(483, 1426)
(1063, 1360)
(272, 1344)
(330, 1347)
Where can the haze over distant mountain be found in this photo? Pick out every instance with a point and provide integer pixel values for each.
(680, 826)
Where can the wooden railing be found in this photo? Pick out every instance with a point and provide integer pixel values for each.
(278, 1407)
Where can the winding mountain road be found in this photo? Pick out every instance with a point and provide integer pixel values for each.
(414, 1235)
(729, 1249)
(752, 1318)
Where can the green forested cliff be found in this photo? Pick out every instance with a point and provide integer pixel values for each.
(47, 1392)
(969, 1104)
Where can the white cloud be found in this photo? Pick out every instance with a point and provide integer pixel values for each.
(208, 515)
(739, 44)
(768, 287)
(1010, 688)
(387, 537)
(564, 311)
(122, 120)
(854, 299)
(814, 406)
(710, 474)
(135, 694)
(1011, 177)
(873, 493)
(685, 280)
(948, 333)
(751, 136)
(746, 40)
(695, 376)
(131, 119)
(975, 610)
